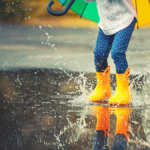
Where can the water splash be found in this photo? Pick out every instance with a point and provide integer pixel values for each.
(140, 88)
(78, 128)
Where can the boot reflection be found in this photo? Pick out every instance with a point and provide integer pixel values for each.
(102, 127)
(122, 128)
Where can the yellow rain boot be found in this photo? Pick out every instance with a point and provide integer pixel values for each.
(122, 95)
(103, 115)
(102, 127)
(122, 124)
(102, 90)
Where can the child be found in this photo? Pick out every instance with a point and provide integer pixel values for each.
(117, 21)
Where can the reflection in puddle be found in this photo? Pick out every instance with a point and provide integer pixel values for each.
(122, 133)
(37, 112)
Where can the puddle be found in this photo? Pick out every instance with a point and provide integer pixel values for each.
(45, 110)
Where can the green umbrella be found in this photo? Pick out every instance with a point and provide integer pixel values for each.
(86, 10)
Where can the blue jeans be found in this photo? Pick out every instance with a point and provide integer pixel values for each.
(118, 44)
(100, 141)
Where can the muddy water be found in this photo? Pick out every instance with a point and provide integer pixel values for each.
(46, 110)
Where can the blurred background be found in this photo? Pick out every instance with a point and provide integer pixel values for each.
(33, 12)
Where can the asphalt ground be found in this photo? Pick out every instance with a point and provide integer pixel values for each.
(46, 110)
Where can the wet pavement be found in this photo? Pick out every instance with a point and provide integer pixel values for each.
(46, 109)
(44, 83)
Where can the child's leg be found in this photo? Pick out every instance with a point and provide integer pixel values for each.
(122, 128)
(119, 47)
(102, 49)
(100, 140)
(102, 127)
(122, 95)
(120, 142)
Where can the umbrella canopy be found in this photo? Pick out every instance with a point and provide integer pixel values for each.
(89, 10)
(143, 12)
(86, 10)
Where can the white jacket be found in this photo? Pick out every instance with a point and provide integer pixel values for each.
(115, 15)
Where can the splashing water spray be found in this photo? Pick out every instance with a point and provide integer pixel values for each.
(78, 128)
(141, 83)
